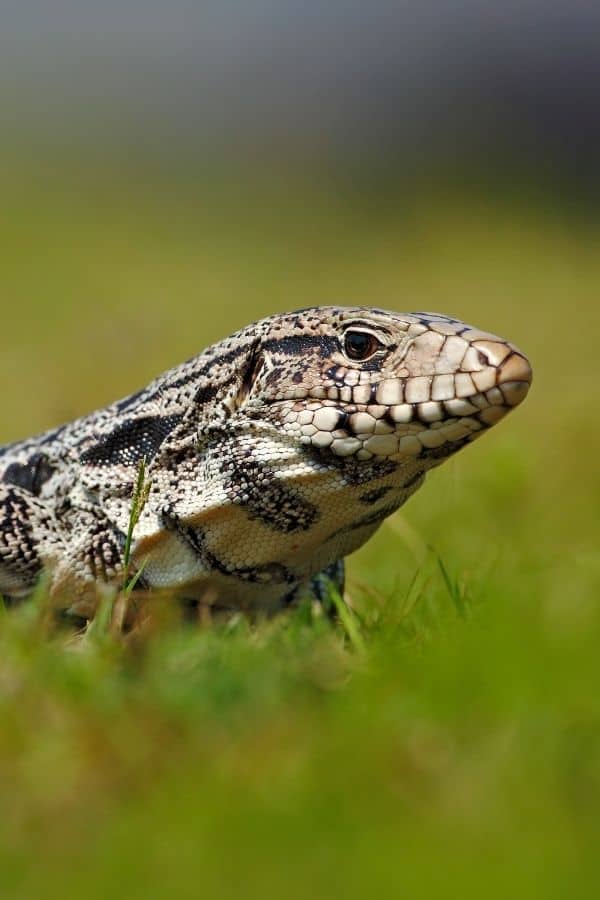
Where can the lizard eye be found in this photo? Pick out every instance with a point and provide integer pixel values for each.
(360, 345)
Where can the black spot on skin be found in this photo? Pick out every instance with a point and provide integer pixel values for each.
(134, 440)
(32, 475)
(274, 376)
(300, 345)
(269, 573)
(205, 394)
(297, 377)
(18, 550)
(180, 382)
(103, 553)
(252, 485)
(353, 471)
(375, 495)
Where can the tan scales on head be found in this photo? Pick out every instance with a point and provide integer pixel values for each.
(392, 386)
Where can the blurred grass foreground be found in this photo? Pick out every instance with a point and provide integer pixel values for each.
(454, 749)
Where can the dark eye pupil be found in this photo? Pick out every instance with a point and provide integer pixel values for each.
(359, 344)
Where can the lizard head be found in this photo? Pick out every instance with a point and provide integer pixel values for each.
(367, 384)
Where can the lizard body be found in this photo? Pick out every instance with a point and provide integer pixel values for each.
(271, 456)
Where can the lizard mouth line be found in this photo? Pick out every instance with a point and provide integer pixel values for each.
(398, 430)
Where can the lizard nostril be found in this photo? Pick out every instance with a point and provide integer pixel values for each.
(491, 353)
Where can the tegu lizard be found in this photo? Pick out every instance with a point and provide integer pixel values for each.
(271, 456)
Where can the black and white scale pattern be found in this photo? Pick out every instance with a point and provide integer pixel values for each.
(272, 455)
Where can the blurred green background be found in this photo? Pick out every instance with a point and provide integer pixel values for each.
(454, 749)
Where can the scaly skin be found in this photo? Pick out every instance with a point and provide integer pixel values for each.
(272, 455)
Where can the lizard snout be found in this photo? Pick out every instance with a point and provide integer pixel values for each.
(513, 369)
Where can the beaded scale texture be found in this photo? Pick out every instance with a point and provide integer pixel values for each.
(271, 456)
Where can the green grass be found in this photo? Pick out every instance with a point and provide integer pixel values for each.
(442, 741)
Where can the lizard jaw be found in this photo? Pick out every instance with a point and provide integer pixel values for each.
(422, 425)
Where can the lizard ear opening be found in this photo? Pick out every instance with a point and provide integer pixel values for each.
(252, 368)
